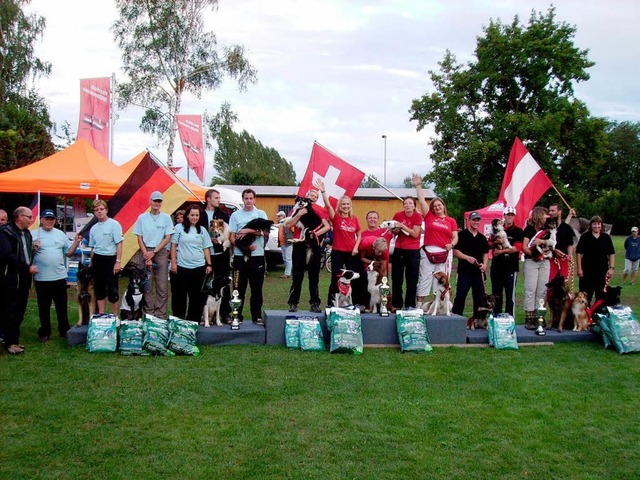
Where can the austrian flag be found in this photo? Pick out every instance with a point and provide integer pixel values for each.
(524, 182)
(340, 177)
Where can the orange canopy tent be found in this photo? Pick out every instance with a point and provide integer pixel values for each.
(78, 170)
(199, 191)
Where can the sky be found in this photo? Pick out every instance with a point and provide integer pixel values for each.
(342, 73)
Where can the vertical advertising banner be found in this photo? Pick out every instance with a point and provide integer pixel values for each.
(190, 132)
(95, 113)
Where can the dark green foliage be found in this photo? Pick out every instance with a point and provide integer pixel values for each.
(520, 84)
(243, 160)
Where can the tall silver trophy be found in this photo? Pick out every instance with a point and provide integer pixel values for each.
(384, 292)
(541, 313)
(235, 305)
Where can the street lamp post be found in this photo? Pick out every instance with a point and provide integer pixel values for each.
(384, 178)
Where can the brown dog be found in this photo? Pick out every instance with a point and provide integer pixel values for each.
(578, 307)
(219, 230)
(480, 318)
(441, 305)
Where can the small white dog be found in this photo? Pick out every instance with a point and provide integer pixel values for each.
(374, 277)
(499, 236)
(442, 303)
(392, 226)
(219, 292)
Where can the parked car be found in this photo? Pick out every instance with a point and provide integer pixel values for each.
(272, 252)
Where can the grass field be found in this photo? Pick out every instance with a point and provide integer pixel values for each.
(264, 412)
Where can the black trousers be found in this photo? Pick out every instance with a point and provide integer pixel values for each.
(503, 280)
(298, 266)
(406, 266)
(464, 283)
(188, 286)
(52, 291)
(249, 272)
(15, 291)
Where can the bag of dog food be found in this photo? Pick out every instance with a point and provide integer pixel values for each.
(183, 336)
(600, 327)
(412, 331)
(502, 332)
(102, 333)
(291, 335)
(622, 328)
(156, 336)
(310, 335)
(131, 337)
(345, 326)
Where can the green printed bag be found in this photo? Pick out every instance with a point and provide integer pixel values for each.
(102, 333)
(183, 336)
(156, 336)
(502, 332)
(310, 335)
(131, 338)
(412, 331)
(623, 329)
(345, 326)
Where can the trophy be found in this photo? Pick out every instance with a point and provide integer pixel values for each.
(384, 292)
(541, 312)
(235, 304)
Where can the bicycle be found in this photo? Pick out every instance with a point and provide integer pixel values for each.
(325, 256)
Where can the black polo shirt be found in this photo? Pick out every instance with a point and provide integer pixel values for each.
(473, 245)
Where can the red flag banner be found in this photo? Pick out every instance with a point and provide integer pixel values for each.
(524, 182)
(95, 113)
(132, 199)
(340, 177)
(190, 131)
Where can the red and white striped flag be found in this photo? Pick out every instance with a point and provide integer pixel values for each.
(340, 177)
(524, 182)
(190, 132)
(95, 113)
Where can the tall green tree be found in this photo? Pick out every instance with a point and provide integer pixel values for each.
(520, 83)
(166, 52)
(243, 160)
(24, 115)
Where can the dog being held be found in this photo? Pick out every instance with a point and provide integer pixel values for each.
(246, 239)
(498, 235)
(86, 295)
(480, 318)
(558, 300)
(343, 298)
(392, 226)
(219, 231)
(307, 224)
(441, 305)
(219, 293)
(548, 234)
(133, 302)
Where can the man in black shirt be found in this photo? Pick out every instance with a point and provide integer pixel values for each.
(472, 252)
(506, 263)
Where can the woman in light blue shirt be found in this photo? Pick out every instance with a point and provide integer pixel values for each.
(190, 262)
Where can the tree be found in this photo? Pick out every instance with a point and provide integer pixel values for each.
(24, 115)
(370, 181)
(243, 160)
(167, 52)
(520, 84)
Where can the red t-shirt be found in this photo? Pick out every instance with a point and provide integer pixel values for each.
(344, 233)
(403, 240)
(438, 230)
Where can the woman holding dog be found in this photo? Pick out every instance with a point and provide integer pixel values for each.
(440, 236)
(405, 259)
(345, 250)
(536, 269)
(595, 258)
(190, 262)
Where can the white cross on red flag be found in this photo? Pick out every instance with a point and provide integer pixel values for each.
(523, 184)
(340, 178)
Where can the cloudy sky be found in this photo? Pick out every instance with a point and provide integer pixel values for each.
(342, 73)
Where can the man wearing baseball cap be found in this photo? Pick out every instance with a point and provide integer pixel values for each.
(154, 229)
(51, 249)
(506, 263)
(472, 254)
(631, 256)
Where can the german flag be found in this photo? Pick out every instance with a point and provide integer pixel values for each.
(132, 199)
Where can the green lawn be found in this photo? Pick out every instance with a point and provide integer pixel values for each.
(264, 412)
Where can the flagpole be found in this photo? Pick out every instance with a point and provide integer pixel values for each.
(561, 197)
(383, 186)
(111, 115)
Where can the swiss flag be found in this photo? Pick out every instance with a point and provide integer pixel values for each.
(340, 177)
(523, 184)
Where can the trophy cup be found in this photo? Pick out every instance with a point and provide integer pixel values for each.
(384, 292)
(541, 312)
(235, 304)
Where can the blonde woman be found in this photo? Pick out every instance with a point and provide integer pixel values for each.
(536, 269)
(346, 242)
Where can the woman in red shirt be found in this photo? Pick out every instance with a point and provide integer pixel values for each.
(346, 241)
(440, 236)
(405, 259)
